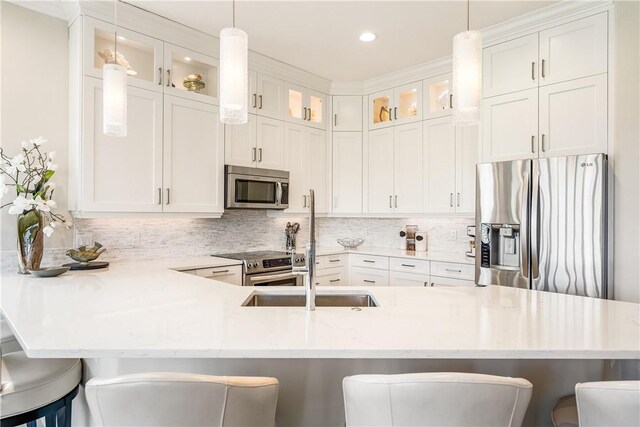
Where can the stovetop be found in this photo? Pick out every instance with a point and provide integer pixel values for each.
(265, 261)
(243, 256)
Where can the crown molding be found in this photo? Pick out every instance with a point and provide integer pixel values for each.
(61, 9)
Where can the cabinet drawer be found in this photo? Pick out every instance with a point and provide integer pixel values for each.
(447, 281)
(369, 261)
(333, 279)
(361, 276)
(453, 270)
(397, 278)
(188, 271)
(409, 265)
(229, 274)
(331, 261)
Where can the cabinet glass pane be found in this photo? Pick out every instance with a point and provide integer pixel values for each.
(136, 57)
(194, 76)
(381, 109)
(295, 104)
(438, 96)
(316, 109)
(408, 103)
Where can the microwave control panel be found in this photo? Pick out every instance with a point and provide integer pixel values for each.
(285, 193)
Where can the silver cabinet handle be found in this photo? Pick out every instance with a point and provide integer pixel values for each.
(408, 265)
(369, 281)
(304, 201)
(542, 143)
(255, 100)
(533, 147)
(396, 201)
(220, 271)
(168, 78)
(253, 154)
(168, 195)
(451, 199)
(159, 196)
(309, 118)
(260, 98)
(458, 199)
(260, 154)
(542, 66)
(335, 120)
(391, 201)
(533, 70)
(334, 260)
(395, 113)
(452, 270)
(160, 76)
(369, 261)
(451, 100)
(335, 280)
(305, 114)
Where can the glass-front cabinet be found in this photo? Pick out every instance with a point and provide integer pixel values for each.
(437, 96)
(399, 105)
(140, 55)
(305, 106)
(380, 109)
(190, 74)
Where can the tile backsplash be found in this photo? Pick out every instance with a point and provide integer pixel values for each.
(137, 239)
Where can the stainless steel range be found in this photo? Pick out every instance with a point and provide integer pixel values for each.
(268, 268)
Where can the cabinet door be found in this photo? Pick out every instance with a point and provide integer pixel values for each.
(380, 171)
(510, 66)
(122, 174)
(240, 143)
(437, 97)
(270, 101)
(467, 150)
(573, 117)
(407, 105)
(380, 106)
(439, 161)
(190, 74)
(407, 166)
(317, 167)
(397, 278)
(347, 172)
(193, 156)
(253, 92)
(296, 110)
(360, 276)
(574, 50)
(296, 162)
(510, 126)
(316, 109)
(347, 113)
(270, 137)
(143, 54)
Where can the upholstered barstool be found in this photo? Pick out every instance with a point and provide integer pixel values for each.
(435, 399)
(601, 403)
(172, 399)
(37, 388)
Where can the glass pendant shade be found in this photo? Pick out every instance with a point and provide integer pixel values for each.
(234, 76)
(467, 78)
(114, 98)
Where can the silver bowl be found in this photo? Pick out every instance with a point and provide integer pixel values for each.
(49, 271)
(350, 243)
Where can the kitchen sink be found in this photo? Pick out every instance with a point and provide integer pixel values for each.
(298, 300)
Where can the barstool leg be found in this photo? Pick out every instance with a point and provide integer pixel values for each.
(32, 424)
(60, 415)
(67, 412)
(50, 420)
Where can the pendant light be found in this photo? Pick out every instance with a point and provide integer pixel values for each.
(234, 74)
(114, 89)
(467, 76)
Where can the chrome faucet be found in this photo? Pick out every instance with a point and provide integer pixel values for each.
(309, 271)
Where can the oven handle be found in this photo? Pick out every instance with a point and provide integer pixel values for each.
(261, 278)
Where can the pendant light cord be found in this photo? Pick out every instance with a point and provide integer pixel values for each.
(115, 31)
(468, 5)
(234, 12)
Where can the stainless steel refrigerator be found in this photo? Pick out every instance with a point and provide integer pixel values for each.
(542, 224)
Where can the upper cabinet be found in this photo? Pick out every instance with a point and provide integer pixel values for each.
(190, 74)
(347, 113)
(347, 164)
(268, 100)
(437, 98)
(305, 106)
(510, 66)
(399, 105)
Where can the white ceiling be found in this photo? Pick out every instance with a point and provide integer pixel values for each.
(322, 36)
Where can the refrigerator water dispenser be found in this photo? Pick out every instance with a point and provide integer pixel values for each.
(500, 245)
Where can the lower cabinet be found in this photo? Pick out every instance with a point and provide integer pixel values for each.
(398, 278)
(362, 276)
(452, 274)
(331, 270)
(231, 274)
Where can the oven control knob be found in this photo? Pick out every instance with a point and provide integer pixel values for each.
(249, 266)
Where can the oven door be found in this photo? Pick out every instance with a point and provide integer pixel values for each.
(256, 192)
(274, 279)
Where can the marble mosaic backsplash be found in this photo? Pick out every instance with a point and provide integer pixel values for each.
(139, 239)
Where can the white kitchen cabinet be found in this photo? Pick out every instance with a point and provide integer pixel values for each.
(241, 143)
(369, 261)
(193, 157)
(231, 274)
(450, 282)
(396, 106)
(360, 276)
(467, 153)
(347, 113)
(270, 97)
(510, 66)
(407, 168)
(439, 165)
(120, 174)
(437, 97)
(510, 126)
(330, 277)
(574, 50)
(180, 64)
(306, 154)
(452, 270)
(270, 143)
(398, 278)
(380, 109)
(253, 92)
(407, 265)
(380, 171)
(304, 106)
(573, 117)
(347, 172)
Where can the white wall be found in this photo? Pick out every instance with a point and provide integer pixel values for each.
(34, 100)
(626, 156)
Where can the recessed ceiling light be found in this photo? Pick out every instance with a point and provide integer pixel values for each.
(367, 37)
(121, 38)
(186, 58)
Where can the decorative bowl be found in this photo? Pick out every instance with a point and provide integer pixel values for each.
(350, 243)
(48, 271)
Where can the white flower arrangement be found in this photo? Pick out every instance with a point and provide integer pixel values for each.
(30, 173)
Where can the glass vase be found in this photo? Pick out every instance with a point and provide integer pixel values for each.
(30, 241)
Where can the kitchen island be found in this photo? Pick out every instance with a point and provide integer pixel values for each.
(145, 316)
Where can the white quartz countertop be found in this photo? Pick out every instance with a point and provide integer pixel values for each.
(147, 309)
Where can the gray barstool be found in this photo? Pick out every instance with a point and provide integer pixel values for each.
(177, 399)
(435, 399)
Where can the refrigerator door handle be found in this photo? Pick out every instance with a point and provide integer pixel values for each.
(535, 221)
(524, 228)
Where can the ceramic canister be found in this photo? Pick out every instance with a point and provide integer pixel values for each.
(421, 241)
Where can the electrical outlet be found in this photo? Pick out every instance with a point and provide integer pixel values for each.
(453, 235)
(135, 240)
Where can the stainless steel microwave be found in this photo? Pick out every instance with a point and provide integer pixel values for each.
(253, 188)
